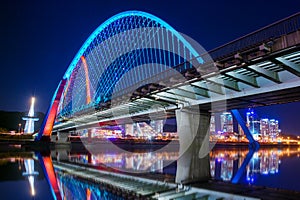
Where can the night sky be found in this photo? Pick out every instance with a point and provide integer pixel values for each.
(40, 38)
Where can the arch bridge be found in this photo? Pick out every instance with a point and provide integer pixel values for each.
(135, 66)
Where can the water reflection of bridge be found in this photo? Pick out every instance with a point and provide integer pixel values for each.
(225, 165)
(224, 162)
(93, 184)
(75, 175)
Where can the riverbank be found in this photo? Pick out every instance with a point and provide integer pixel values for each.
(127, 145)
(130, 144)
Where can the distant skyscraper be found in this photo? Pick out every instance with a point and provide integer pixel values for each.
(129, 129)
(157, 125)
(253, 123)
(212, 124)
(30, 119)
(273, 128)
(226, 122)
(264, 128)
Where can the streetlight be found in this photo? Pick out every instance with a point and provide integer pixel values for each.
(20, 127)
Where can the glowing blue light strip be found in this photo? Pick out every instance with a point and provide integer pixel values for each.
(88, 42)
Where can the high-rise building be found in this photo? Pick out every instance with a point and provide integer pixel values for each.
(212, 125)
(226, 122)
(129, 129)
(264, 128)
(273, 128)
(253, 123)
(157, 125)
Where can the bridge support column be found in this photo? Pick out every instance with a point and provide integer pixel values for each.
(53, 137)
(193, 131)
(62, 137)
(89, 136)
(62, 155)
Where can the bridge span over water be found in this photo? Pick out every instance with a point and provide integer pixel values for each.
(136, 67)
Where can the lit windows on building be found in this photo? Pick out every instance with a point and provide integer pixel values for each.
(212, 125)
(253, 123)
(226, 122)
(273, 128)
(157, 126)
(264, 128)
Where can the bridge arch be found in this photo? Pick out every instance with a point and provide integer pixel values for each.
(117, 46)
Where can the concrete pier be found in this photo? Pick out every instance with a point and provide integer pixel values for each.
(193, 132)
(62, 137)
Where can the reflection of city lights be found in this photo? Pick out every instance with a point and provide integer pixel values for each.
(135, 161)
(264, 162)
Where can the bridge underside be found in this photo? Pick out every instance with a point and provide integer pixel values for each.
(265, 99)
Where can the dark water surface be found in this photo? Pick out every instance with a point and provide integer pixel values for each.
(23, 174)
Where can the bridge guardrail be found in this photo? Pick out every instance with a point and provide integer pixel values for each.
(265, 34)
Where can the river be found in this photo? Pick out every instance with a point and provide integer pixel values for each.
(23, 177)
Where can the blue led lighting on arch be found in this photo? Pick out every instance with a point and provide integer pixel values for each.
(90, 39)
(106, 86)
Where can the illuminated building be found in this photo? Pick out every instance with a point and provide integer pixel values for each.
(264, 128)
(273, 128)
(212, 125)
(269, 128)
(157, 126)
(129, 129)
(253, 123)
(145, 130)
(30, 119)
(226, 122)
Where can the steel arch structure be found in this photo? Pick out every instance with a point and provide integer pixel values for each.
(119, 45)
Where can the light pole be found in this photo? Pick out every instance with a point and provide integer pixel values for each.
(20, 127)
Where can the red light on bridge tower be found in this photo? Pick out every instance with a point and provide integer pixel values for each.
(47, 126)
(87, 80)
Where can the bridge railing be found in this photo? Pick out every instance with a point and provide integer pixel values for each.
(265, 34)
